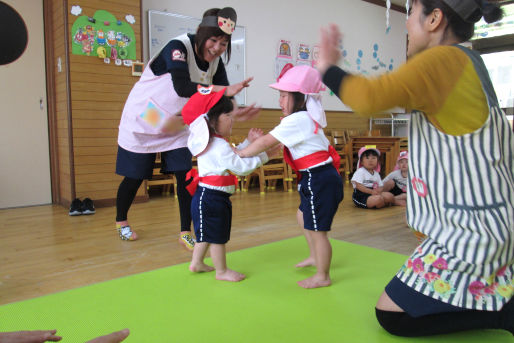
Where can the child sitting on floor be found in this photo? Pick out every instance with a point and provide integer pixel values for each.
(396, 182)
(367, 183)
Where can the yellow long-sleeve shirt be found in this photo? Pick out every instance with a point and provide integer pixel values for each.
(441, 82)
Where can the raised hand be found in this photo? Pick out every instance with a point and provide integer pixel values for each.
(329, 51)
(238, 87)
(246, 113)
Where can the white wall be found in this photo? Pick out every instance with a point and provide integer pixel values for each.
(268, 21)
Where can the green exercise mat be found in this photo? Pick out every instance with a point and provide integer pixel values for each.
(174, 305)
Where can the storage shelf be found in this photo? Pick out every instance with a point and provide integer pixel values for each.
(386, 121)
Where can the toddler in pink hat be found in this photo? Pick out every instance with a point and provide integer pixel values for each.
(316, 162)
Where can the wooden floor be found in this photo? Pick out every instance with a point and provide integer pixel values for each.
(43, 250)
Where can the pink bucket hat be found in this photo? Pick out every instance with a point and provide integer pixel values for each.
(403, 155)
(363, 150)
(303, 78)
(194, 113)
(306, 80)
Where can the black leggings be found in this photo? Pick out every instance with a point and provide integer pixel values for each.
(402, 324)
(128, 189)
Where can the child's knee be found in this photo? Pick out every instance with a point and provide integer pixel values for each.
(375, 201)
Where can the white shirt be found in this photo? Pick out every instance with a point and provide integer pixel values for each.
(219, 158)
(399, 180)
(365, 178)
(296, 132)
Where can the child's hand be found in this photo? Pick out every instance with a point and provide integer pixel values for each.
(254, 133)
(173, 125)
(275, 151)
(240, 153)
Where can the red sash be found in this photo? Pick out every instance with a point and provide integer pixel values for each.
(213, 180)
(311, 160)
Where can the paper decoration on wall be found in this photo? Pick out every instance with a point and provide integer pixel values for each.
(130, 19)
(284, 56)
(315, 55)
(102, 30)
(303, 56)
(388, 8)
(376, 64)
(76, 10)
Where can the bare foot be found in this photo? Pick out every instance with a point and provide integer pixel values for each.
(315, 281)
(309, 261)
(200, 268)
(230, 275)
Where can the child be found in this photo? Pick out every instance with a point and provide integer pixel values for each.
(396, 182)
(461, 173)
(367, 183)
(209, 116)
(309, 152)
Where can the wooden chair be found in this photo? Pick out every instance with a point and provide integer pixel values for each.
(340, 143)
(374, 133)
(356, 132)
(269, 174)
(160, 179)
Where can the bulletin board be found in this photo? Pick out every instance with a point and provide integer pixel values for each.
(164, 26)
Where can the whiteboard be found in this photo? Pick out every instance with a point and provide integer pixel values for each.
(164, 26)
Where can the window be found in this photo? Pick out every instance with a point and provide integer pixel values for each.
(495, 42)
(501, 70)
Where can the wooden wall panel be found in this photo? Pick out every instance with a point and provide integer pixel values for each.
(268, 119)
(98, 94)
(61, 97)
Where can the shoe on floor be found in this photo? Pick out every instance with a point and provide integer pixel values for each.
(76, 208)
(187, 240)
(88, 207)
(126, 233)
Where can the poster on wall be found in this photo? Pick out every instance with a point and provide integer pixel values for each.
(303, 55)
(103, 36)
(284, 59)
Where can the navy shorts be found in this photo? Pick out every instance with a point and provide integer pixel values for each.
(321, 191)
(212, 215)
(396, 190)
(140, 165)
(414, 303)
(360, 199)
